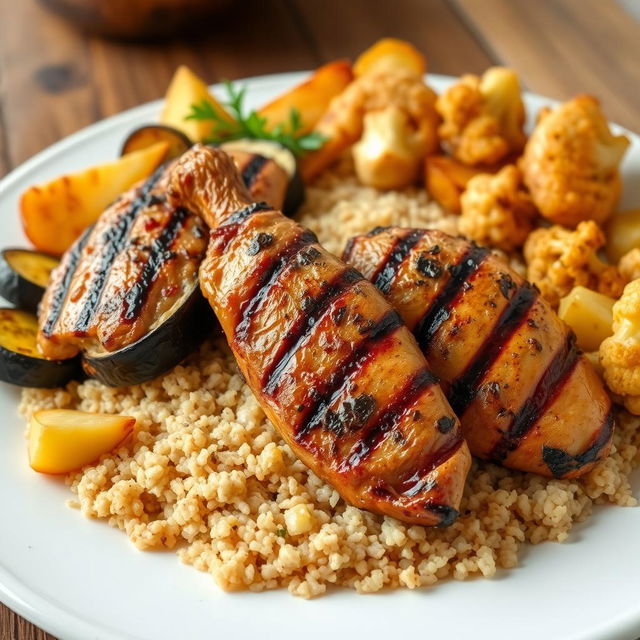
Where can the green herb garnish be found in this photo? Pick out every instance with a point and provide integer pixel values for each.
(282, 532)
(251, 125)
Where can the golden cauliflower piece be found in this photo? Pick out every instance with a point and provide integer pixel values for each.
(620, 354)
(629, 265)
(496, 210)
(482, 117)
(570, 163)
(559, 259)
(408, 102)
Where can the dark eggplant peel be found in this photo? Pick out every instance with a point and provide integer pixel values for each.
(527, 398)
(125, 295)
(329, 360)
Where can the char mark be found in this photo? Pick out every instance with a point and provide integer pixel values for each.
(389, 418)
(113, 241)
(547, 389)
(252, 169)
(59, 295)
(561, 463)
(243, 214)
(448, 515)
(388, 269)
(377, 231)
(310, 314)
(270, 274)
(348, 249)
(338, 381)
(160, 253)
(463, 389)
(439, 311)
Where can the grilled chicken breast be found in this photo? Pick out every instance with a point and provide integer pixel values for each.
(123, 274)
(329, 360)
(525, 395)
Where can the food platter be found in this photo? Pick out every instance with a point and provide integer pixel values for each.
(80, 579)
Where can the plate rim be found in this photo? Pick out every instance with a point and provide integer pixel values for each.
(54, 617)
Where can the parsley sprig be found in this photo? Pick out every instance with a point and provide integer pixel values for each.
(253, 126)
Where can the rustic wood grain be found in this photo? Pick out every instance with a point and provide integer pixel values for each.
(565, 47)
(343, 29)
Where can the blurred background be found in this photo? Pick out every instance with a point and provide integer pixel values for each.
(67, 63)
(56, 76)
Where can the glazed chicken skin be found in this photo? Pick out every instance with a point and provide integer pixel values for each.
(123, 274)
(525, 395)
(329, 360)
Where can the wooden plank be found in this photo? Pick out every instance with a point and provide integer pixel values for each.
(17, 628)
(344, 29)
(46, 80)
(252, 39)
(565, 47)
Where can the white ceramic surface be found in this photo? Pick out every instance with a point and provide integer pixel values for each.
(82, 580)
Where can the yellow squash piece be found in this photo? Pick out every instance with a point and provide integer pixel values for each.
(389, 54)
(63, 440)
(310, 98)
(623, 234)
(185, 90)
(55, 214)
(446, 179)
(589, 314)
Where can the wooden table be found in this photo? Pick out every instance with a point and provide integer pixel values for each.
(54, 80)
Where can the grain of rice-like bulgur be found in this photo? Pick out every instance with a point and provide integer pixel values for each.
(206, 474)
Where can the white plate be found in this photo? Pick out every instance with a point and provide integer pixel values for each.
(82, 580)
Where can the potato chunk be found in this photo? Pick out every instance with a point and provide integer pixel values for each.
(63, 440)
(623, 234)
(390, 54)
(590, 316)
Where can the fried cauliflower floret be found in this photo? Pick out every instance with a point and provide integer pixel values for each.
(620, 354)
(496, 210)
(571, 163)
(409, 105)
(559, 259)
(483, 117)
(629, 265)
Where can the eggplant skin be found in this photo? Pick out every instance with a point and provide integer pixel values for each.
(159, 350)
(17, 289)
(24, 371)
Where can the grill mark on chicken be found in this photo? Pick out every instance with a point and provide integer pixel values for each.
(560, 462)
(339, 379)
(252, 169)
(439, 311)
(311, 313)
(55, 307)
(136, 296)
(547, 389)
(463, 390)
(243, 214)
(385, 423)
(113, 241)
(272, 271)
(388, 269)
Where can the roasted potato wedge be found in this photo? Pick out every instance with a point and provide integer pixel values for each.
(187, 89)
(446, 179)
(623, 234)
(55, 214)
(311, 98)
(589, 314)
(388, 54)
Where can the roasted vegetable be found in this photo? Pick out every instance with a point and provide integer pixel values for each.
(147, 135)
(525, 395)
(328, 359)
(255, 159)
(167, 343)
(571, 163)
(311, 98)
(623, 234)
(56, 213)
(20, 361)
(24, 276)
(446, 179)
(589, 314)
(390, 54)
(63, 440)
(186, 90)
